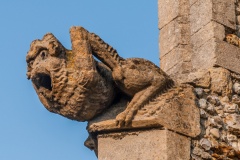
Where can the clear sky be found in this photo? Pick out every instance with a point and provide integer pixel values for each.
(27, 130)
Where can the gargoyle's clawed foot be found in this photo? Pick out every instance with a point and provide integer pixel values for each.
(124, 118)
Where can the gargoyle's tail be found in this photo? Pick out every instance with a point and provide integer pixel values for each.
(104, 52)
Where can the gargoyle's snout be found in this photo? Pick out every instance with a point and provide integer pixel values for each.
(43, 80)
(28, 75)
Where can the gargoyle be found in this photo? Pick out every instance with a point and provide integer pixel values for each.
(74, 85)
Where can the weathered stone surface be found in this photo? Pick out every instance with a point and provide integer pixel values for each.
(180, 71)
(205, 143)
(170, 10)
(228, 56)
(175, 110)
(219, 118)
(172, 35)
(215, 132)
(173, 58)
(233, 122)
(207, 32)
(216, 53)
(200, 14)
(167, 11)
(202, 103)
(236, 88)
(204, 57)
(143, 145)
(192, 2)
(177, 63)
(224, 12)
(217, 79)
(73, 84)
(206, 24)
(199, 92)
(210, 69)
(221, 82)
(200, 78)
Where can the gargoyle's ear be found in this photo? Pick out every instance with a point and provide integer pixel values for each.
(54, 46)
(48, 36)
(35, 46)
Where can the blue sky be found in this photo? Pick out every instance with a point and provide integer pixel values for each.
(27, 130)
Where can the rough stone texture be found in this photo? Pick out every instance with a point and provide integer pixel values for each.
(237, 11)
(228, 56)
(202, 34)
(143, 145)
(204, 57)
(170, 10)
(174, 57)
(219, 53)
(200, 14)
(209, 20)
(174, 36)
(224, 13)
(175, 110)
(221, 81)
(209, 31)
(209, 65)
(73, 84)
(167, 14)
(169, 42)
(219, 104)
(180, 72)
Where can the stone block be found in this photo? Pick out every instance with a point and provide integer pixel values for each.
(175, 110)
(167, 11)
(200, 14)
(180, 72)
(173, 57)
(228, 56)
(172, 35)
(211, 30)
(217, 53)
(224, 12)
(192, 2)
(143, 145)
(204, 57)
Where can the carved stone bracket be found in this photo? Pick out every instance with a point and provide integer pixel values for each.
(175, 110)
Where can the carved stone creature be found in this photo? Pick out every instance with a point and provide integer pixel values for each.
(70, 83)
(136, 77)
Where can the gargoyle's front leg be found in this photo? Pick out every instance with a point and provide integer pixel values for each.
(82, 49)
(139, 99)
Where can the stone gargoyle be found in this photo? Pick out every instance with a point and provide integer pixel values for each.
(73, 84)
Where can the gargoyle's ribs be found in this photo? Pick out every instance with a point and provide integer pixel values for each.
(136, 77)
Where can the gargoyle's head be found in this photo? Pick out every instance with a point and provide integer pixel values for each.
(44, 60)
(68, 83)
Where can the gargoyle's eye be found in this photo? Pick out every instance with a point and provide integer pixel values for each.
(43, 54)
(30, 64)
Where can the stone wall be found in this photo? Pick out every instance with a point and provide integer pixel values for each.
(237, 3)
(218, 100)
(192, 37)
(193, 49)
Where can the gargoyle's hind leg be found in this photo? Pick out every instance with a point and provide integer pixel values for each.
(137, 102)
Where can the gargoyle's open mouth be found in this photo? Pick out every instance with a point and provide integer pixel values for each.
(43, 81)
